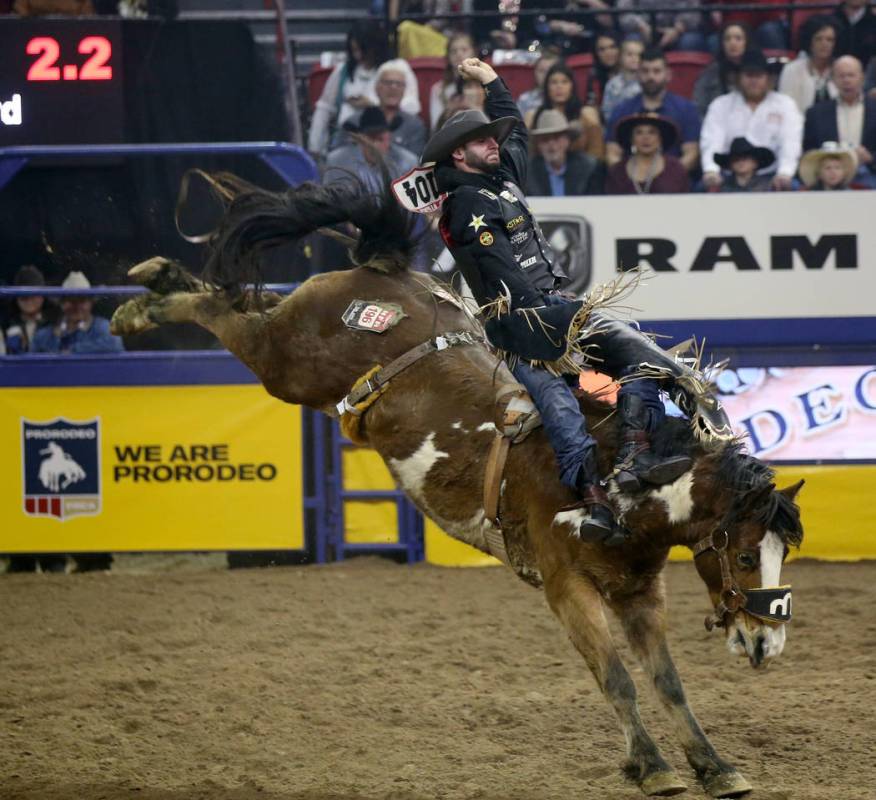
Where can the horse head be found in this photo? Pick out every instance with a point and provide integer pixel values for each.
(741, 555)
(52, 449)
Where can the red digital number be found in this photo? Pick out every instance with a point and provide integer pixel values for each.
(95, 68)
(48, 50)
(99, 50)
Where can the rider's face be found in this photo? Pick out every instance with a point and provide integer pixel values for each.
(479, 155)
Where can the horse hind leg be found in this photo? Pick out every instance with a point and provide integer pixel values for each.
(164, 276)
(577, 603)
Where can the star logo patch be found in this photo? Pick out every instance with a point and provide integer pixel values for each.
(477, 222)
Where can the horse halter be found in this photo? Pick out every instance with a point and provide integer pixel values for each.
(772, 604)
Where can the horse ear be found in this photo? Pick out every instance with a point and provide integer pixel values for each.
(758, 495)
(791, 491)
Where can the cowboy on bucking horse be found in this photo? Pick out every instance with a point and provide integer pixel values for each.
(480, 162)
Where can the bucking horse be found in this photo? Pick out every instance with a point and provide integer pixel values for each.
(434, 421)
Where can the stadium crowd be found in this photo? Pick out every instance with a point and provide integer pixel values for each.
(759, 117)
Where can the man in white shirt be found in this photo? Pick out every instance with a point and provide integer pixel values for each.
(764, 117)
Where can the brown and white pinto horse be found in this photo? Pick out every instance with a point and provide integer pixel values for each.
(433, 427)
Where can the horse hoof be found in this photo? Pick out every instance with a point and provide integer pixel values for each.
(148, 270)
(727, 784)
(130, 318)
(662, 784)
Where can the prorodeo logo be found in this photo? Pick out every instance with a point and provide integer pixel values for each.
(61, 468)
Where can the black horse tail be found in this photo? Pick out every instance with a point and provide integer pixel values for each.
(256, 220)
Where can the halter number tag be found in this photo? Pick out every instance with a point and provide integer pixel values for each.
(372, 315)
(417, 191)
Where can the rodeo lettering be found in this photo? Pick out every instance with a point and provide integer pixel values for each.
(196, 462)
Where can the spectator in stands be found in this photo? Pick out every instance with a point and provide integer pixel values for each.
(560, 94)
(764, 117)
(606, 64)
(372, 135)
(570, 35)
(647, 167)
(722, 75)
(555, 171)
(742, 162)
(770, 27)
(531, 99)
(807, 79)
(351, 86)
(850, 119)
(857, 30)
(79, 330)
(445, 94)
(673, 30)
(30, 313)
(654, 76)
(625, 84)
(391, 86)
(830, 168)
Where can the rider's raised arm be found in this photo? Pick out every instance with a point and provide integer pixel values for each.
(515, 151)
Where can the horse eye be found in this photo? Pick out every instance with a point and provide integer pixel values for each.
(746, 560)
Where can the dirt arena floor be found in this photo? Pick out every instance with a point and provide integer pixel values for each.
(374, 680)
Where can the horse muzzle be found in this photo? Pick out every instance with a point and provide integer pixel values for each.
(761, 642)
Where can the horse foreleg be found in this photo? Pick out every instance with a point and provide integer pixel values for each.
(577, 603)
(644, 623)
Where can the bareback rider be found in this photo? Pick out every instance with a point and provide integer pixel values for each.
(499, 247)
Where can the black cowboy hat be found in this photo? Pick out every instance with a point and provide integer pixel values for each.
(754, 61)
(623, 131)
(462, 127)
(372, 120)
(740, 146)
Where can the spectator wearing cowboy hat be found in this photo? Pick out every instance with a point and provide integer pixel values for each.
(647, 167)
(830, 168)
(556, 171)
(743, 161)
(29, 313)
(373, 137)
(79, 330)
(764, 117)
(654, 76)
(390, 85)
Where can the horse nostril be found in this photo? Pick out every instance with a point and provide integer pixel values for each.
(759, 650)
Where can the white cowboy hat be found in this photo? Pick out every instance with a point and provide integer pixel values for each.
(76, 280)
(551, 121)
(811, 161)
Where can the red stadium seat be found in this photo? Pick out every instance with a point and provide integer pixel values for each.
(315, 83)
(429, 70)
(518, 77)
(581, 66)
(686, 67)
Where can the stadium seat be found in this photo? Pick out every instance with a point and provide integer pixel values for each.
(428, 70)
(581, 65)
(686, 67)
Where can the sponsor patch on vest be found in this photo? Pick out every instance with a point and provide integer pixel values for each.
(511, 198)
(515, 223)
(529, 262)
(487, 193)
(61, 461)
(372, 315)
(486, 238)
(520, 237)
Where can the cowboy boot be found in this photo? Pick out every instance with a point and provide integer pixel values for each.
(622, 346)
(635, 462)
(599, 525)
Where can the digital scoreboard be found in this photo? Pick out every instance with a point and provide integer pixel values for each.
(61, 82)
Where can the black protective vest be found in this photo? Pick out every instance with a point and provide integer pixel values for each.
(531, 249)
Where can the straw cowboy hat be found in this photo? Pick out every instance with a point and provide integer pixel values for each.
(623, 131)
(811, 161)
(740, 147)
(552, 121)
(462, 127)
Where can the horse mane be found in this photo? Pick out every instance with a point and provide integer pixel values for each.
(750, 479)
(256, 220)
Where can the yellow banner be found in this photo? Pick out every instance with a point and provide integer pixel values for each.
(149, 468)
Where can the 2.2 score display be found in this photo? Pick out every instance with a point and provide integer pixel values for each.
(45, 68)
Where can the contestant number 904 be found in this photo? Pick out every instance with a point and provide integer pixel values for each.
(96, 67)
